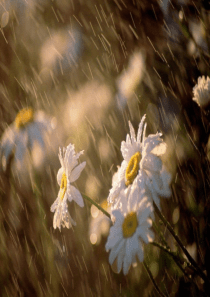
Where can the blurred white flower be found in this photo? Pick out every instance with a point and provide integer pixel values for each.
(141, 167)
(129, 231)
(201, 91)
(24, 134)
(131, 77)
(91, 96)
(67, 174)
(100, 223)
(197, 30)
(61, 50)
(21, 9)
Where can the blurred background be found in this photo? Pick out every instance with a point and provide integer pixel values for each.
(90, 66)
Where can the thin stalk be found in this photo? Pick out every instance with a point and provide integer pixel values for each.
(170, 229)
(157, 229)
(97, 205)
(153, 280)
(176, 259)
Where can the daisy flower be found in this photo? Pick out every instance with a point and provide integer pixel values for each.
(27, 129)
(201, 91)
(142, 164)
(128, 233)
(67, 174)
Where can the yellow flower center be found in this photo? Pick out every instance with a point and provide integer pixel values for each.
(63, 186)
(130, 224)
(24, 116)
(132, 168)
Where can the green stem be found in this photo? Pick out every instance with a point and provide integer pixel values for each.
(157, 229)
(176, 258)
(153, 280)
(97, 205)
(170, 229)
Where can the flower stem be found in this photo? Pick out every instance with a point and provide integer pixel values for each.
(175, 257)
(153, 280)
(170, 229)
(97, 205)
(157, 229)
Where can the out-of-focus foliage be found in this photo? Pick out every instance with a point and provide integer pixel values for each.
(70, 59)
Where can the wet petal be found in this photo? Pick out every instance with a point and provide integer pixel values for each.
(128, 255)
(54, 205)
(140, 130)
(59, 175)
(115, 251)
(132, 132)
(151, 162)
(74, 194)
(74, 175)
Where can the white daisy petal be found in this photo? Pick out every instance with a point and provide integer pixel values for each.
(74, 194)
(67, 221)
(151, 142)
(151, 162)
(57, 217)
(69, 158)
(125, 146)
(60, 156)
(114, 239)
(132, 132)
(54, 205)
(140, 130)
(59, 175)
(144, 134)
(118, 215)
(120, 258)
(140, 252)
(154, 193)
(141, 232)
(146, 213)
(166, 179)
(128, 255)
(114, 252)
(76, 172)
(135, 246)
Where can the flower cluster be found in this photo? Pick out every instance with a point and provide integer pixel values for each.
(140, 180)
